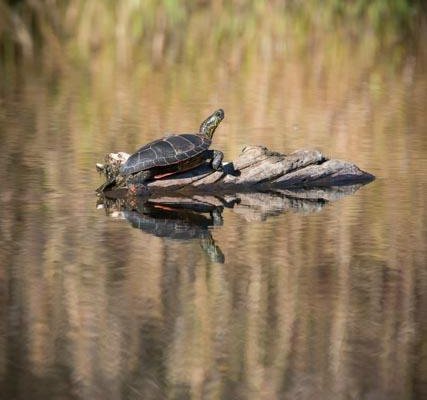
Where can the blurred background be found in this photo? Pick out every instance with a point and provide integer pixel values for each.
(330, 305)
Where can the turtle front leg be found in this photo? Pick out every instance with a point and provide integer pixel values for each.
(216, 157)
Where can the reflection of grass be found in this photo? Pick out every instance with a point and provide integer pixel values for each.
(154, 32)
(299, 294)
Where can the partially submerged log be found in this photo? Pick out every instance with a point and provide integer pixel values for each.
(256, 169)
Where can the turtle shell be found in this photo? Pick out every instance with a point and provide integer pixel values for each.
(166, 151)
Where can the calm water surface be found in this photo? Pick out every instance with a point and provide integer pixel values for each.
(320, 300)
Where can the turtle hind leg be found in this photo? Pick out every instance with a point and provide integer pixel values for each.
(111, 183)
(136, 183)
(140, 178)
(105, 186)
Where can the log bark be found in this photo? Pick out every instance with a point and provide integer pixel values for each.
(256, 169)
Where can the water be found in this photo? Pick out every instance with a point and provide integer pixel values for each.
(313, 300)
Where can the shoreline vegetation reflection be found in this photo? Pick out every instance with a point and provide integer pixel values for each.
(311, 305)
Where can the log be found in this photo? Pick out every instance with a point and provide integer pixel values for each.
(256, 169)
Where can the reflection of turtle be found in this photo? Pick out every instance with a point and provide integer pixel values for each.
(172, 221)
(178, 224)
(171, 154)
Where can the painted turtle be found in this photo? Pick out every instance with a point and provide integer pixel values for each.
(171, 154)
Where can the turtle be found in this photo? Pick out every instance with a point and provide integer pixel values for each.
(171, 154)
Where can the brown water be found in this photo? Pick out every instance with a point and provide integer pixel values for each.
(317, 301)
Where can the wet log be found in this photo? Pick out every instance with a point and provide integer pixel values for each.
(256, 169)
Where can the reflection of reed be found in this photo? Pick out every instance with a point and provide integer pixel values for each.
(328, 304)
(275, 321)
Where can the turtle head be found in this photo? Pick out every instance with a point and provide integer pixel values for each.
(209, 124)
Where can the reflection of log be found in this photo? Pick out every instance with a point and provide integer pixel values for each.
(257, 168)
(186, 217)
(262, 205)
(249, 205)
(191, 217)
